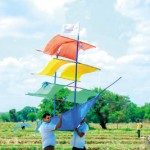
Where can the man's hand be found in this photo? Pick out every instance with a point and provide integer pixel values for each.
(81, 134)
(60, 121)
(76, 129)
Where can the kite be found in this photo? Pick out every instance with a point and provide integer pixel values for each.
(70, 70)
(22, 125)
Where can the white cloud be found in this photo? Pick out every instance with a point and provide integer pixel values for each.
(144, 27)
(97, 58)
(42, 13)
(50, 7)
(139, 44)
(83, 32)
(137, 10)
(134, 59)
(11, 26)
(16, 81)
(17, 71)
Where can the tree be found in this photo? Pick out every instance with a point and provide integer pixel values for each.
(107, 104)
(22, 114)
(131, 112)
(32, 116)
(146, 109)
(13, 115)
(47, 105)
(5, 117)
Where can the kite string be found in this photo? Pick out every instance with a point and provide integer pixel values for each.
(109, 86)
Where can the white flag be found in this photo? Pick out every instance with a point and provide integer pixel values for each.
(71, 29)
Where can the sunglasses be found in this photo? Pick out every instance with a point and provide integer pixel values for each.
(48, 117)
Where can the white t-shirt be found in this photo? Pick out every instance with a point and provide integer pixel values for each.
(78, 141)
(47, 134)
(23, 124)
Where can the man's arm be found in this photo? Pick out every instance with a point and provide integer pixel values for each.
(81, 134)
(60, 122)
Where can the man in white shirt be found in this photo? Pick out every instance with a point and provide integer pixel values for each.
(47, 132)
(78, 139)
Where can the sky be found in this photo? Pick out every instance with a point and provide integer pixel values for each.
(120, 30)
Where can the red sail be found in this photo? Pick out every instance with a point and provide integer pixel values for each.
(65, 47)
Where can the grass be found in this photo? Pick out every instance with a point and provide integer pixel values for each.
(123, 138)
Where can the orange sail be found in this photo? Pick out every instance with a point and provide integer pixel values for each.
(65, 47)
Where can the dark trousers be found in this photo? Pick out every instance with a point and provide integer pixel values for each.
(23, 127)
(50, 147)
(75, 148)
(138, 132)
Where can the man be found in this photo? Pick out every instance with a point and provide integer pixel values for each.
(78, 139)
(47, 132)
(23, 125)
(139, 127)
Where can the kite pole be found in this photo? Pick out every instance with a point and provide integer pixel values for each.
(76, 69)
(109, 86)
(55, 94)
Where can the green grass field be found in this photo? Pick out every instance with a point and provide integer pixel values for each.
(123, 138)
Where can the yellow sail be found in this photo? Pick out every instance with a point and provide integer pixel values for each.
(69, 71)
(53, 66)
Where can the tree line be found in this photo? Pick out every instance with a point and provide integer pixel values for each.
(109, 108)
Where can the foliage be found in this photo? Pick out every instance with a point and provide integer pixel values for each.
(32, 116)
(13, 115)
(5, 117)
(61, 105)
(146, 110)
(110, 107)
(23, 114)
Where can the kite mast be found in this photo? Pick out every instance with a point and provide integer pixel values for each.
(55, 94)
(76, 70)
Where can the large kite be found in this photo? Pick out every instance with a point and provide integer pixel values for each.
(70, 70)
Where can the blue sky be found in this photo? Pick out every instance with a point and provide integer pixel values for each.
(120, 30)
